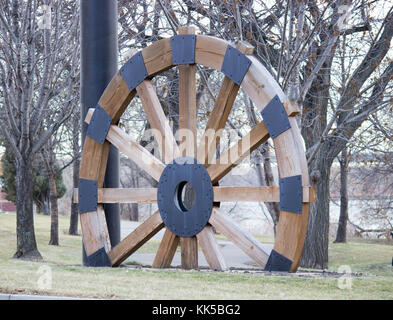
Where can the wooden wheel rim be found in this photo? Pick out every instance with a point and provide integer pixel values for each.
(261, 88)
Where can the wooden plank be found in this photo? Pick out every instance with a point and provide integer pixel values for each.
(210, 249)
(210, 51)
(142, 158)
(291, 108)
(189, 253)
(116, 97)
(187, 105)
(124, 195)
(259, 194)
(166, 250)
(219, 115)
(260, 86)
(240, 238)
(103, 227)
(239, 151)
(158, 122)
(136, 239)
(94, 231)
(158, 56)
(217, 120)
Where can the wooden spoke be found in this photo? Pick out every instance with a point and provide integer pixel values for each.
(187, 104)
(210, 249)
(259, 194)
(142, 157)
(189, 253)
(218, 118)
(240, 238)
(238, 152)
(136, 239)
(166, 250)
(158, 122)
(123, 195)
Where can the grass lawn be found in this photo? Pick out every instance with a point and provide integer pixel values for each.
(372, 258)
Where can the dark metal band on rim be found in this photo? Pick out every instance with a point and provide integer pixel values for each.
(99, 259)
(291, 194)
(99, 125)
(235, 64)
(183, 49)
(275, 117)
(134, 71)
(87, 195)
(277, 262)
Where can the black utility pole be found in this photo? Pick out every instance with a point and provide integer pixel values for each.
(99, 63)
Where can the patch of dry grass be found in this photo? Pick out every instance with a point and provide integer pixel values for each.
(69, 278)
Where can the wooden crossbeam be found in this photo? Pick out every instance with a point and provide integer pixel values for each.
(210, 249)
(240, 238)
(259, 194)
(239, 151)
(136, 239)
(221, 194)
(123, 195)
(166, 250)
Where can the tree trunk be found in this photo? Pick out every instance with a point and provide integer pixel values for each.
(54, 220)
(273, 207)
(26, 241)
(315, 252)
(134, 212)
(314, 121)
(46, 207)
(341, 236)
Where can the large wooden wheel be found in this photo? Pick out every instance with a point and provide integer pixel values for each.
(241, 69)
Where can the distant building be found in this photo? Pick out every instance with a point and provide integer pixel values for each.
(5, 205)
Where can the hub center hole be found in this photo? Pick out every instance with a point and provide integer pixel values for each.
(185, 196)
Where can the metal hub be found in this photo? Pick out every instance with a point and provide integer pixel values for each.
(182, 220)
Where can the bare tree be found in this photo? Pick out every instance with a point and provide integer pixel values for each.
(341, 236)
(37, 74)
